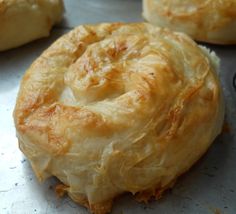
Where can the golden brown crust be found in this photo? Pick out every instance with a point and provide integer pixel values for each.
(22, 21)
(98, 208)
(114, 108)
(212, 21)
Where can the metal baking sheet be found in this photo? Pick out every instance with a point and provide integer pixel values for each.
(209, 187)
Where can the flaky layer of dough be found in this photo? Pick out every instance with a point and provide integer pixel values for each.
(22, 21)
(212, 21)
(114, 108)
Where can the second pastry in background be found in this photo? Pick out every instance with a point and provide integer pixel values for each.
(212, 21)
(23, 21)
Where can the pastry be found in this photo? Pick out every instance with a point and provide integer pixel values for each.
(212, 21)
(23, 21)
(113, 108)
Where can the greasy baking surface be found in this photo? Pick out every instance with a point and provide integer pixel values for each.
(208, 186)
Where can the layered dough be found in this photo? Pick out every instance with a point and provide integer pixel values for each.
(114, 108)
(22, 21)
(212, 21)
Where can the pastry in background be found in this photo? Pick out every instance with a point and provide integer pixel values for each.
(212, 21)
(22, 21)
(115, 108)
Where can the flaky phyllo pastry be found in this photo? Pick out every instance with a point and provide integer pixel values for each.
(114, 108)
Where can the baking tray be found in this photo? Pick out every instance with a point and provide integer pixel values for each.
(209, 187)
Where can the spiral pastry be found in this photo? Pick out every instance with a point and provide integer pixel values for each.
(114, 108)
